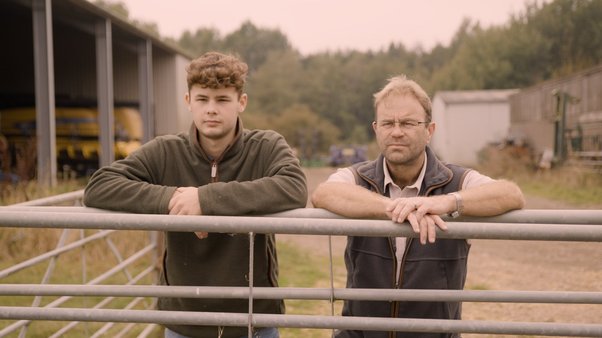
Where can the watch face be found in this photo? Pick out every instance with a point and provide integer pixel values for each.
(455, 214)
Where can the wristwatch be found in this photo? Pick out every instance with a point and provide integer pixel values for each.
(459, 205)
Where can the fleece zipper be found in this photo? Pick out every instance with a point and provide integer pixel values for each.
(394, 304)
(213, 171)
(399, 282)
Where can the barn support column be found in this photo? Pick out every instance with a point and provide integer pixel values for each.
(145, 88)
(560, 138)
(44, 87)
(104, 80)
(559, 126)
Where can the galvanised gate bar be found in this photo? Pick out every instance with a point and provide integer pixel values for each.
(542, 225)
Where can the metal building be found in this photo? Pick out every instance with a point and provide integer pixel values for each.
(561, 116)
(71, 53)
(466, 121)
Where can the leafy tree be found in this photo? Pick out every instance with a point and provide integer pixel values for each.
(255, 44)
(322, 87)
(477, 64)
(574, 31)
(118, 8)
(529, 53)
(588, 45)
(147, 26)
(554, 39)
(257, 120)
(274, 87)
(306, 131)
(201, 41)
(335, 89)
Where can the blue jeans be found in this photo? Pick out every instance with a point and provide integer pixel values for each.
(266, 332)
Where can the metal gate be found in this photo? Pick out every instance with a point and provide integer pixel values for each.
(132, 277)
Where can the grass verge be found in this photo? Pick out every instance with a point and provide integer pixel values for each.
(298, 268)
(573, 185)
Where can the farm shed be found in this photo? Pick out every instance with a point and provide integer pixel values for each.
(563, 116)
(71, 53)
(466, 121)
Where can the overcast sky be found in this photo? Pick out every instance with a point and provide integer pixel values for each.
(319, 25)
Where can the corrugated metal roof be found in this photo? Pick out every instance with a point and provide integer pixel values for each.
(463, 96)
(84, 13)
(93, 9)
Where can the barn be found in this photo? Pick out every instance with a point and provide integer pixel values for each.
(70, 65)
(562, 117)
(467, 121)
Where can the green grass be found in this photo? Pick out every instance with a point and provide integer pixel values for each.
(29, 190)
(298, 268)
(580, 189)
(70, 270)
(478, 287)
(302, 268)
(568, 184)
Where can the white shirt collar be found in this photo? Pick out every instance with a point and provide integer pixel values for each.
(413, 187)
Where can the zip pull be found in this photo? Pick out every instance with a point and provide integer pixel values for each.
(213, 171)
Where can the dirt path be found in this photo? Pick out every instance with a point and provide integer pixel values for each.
(532, 266)
(508, 265)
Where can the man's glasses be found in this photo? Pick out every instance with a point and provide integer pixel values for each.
(404, 125)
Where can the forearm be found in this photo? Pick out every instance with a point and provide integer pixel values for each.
(132, 184)
(492, 199)
(114, 188)
(350, 200)
(261, 196)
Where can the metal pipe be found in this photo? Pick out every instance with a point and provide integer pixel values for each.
(586, 225)
(145, 333)
(72, 197)
(545, 216)
(516, 216)
(53, 253)
(341, 227)
(102, 303)
(558, 297)
(130, 260)
(302, 321)
(105, 328)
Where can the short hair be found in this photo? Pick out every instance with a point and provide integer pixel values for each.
(401, 85)
(216, 70)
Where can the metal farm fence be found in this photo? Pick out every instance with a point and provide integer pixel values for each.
(540, 225)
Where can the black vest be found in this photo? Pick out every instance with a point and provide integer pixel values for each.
(371, 261)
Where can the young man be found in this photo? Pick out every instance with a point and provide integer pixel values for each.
(408, 182)
(218, 168)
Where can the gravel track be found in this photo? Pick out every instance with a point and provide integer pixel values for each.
(506, 265)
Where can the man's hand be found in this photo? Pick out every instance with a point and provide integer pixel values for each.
(422, 213)
(185, 201)
(426, 226)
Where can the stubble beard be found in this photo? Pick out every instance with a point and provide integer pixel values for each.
(402, 157)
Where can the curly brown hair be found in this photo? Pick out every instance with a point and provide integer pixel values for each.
(216, 70)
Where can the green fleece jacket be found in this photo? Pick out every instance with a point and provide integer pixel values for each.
(257, 174)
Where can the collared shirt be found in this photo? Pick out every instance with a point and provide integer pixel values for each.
(395, 192)
(472, 179)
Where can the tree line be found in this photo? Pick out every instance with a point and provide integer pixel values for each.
(326, 98)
